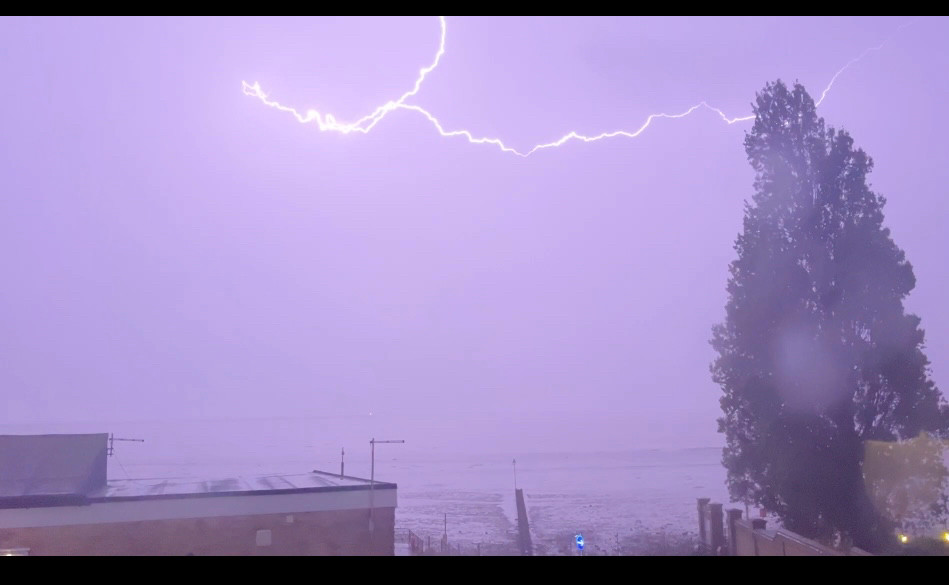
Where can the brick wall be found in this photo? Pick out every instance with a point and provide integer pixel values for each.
(335, 532)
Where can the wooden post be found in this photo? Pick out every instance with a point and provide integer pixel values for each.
(734, 515)
(716, 529)
(702, 503)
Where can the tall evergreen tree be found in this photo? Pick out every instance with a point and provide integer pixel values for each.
(816, 355)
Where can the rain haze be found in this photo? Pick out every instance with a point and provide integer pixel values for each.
(184, 264)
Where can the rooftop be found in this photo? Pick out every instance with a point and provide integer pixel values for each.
(56, 470)
(240, 485)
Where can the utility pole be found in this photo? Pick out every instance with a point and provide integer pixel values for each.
(515, 474)
(342, 454)
(372, 479)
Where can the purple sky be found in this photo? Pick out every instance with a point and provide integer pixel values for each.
(173, 249)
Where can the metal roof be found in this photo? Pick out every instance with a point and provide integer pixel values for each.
(239, 485)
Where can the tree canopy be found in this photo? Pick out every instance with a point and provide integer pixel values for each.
(816, 354)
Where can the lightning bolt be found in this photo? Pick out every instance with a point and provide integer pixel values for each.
(329, 123)
(858, 58)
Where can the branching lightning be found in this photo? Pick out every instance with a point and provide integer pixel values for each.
(329, 123)
(366, 123)
(855, 60)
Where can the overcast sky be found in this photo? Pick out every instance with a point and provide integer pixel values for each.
(172, 249)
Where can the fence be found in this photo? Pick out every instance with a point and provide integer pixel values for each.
(419, 546)
(752, 537)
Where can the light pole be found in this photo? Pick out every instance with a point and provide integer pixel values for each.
(372, 479)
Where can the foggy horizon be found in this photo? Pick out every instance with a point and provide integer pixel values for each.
(178, 251)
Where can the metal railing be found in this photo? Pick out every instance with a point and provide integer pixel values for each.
(419, 546)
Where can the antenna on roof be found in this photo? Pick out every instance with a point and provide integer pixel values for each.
(372, 479)
(112, 440)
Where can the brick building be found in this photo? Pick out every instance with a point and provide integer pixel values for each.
(55, 499)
